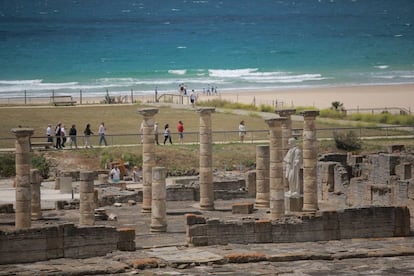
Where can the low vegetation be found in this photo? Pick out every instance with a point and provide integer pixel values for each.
(347, 141)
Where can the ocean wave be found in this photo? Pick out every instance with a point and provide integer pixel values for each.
(177, 72)
(20, 85)
(230, 73)
(199, 79)
(381, 66)
(255, 76)
(18, 82)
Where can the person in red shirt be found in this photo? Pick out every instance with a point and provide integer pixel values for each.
(180, 129)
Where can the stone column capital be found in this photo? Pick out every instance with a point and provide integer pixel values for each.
(22, 132)
(275, 122)
(148, 112)
(285, 112)
(310, 113)
(206, 110)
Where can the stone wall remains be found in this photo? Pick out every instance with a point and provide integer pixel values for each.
(383, 179)
(62, 241)
(372, 222)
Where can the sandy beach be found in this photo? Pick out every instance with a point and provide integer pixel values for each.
(378, 96)
(352, 97)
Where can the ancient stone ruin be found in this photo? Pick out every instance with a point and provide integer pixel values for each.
(341, 196)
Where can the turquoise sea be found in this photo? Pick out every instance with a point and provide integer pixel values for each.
(94, 45)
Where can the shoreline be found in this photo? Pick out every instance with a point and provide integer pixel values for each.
(352, 97)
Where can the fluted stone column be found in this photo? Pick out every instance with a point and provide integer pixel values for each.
(277, 191)
(148, 156)
(87, 199)
(23, 190)
(35, 180)
(206, 159)
(262, 176)
(310, 154)
(286, 134)
(159, 200)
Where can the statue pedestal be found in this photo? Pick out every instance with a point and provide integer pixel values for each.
(294, 203)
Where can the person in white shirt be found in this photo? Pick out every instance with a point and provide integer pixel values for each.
(101, 132)
(115, 174)
(242, 131)
(49, 133)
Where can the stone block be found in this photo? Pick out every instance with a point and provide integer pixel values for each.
(294, 204)
(199, 241)
(242, 208)
(197, 230)
(192, 219)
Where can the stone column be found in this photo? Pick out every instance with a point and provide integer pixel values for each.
(148, 156)
(310, 154)
(159, 199)
(206, 159)
(286, 134)
(262, 176)
(35, 180)
(87, 196)
(23, 189)
(277, 190)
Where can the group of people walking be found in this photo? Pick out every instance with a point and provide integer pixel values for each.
(63, 138)
(167, 132)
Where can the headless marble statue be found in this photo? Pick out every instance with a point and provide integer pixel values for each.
(293, 163)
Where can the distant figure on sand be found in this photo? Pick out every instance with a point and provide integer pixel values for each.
(88, 132)
(101, 131)
(242, 131)
(180, 129)
(167, 135)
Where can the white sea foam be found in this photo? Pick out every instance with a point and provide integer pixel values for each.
(253, 75)
(177, 72)
(381, 66)
(224, 73)
(20, 85)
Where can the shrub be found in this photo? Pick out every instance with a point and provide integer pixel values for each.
(40, 163)
(227, 104)
(330, 113)
(347, 141)
(266, 108)
(7, 165)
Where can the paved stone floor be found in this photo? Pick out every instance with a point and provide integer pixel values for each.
(167, 253)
